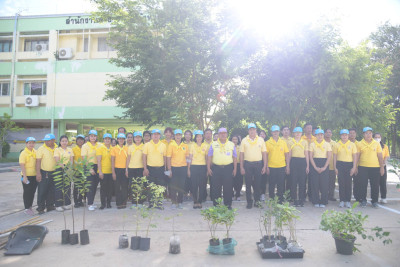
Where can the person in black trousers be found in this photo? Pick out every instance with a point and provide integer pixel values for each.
(134, 165)
(238, 179)
(103, 154)
(383, 179)
(119, 155)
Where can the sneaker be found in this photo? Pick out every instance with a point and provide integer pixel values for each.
(363, 204)
(384, 201)
(68, 207)
(321, 205)
(341, 204)
(29, 212)
(173, 207)
(180, 206)
(375, 205)
(316, 205)
(59, 209)
(262, 198)
(91, 208)
(348, 205)
(102, 207)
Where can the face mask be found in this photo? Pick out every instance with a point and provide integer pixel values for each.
(378, 140)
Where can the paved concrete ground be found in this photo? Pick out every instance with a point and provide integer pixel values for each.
(106, 226)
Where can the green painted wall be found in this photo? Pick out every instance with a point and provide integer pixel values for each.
(5, 68)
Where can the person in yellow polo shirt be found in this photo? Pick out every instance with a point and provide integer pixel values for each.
(289, 142)
(134, 164)
(370, 168)
(222, 167)
(103, 154)
(253, 163)
(80, 140)
(198, 169)
(154, 159)
(309, 137)
(177, 166)
(278, 163)
(238, 179)
(352, 138)
(188, 139)
(27, 161)
(146, 137)
(320, 156)
(208, 139)
(45, 167)
(168, 138)
(63, 156)
(299, 167)
(385, 156)
(119, 155)
(88, 152)
(332, 173)
(345, 165)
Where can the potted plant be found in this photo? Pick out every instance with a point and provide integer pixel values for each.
(82, 171)
(227, 219)
(345, 225)
(174, 241)
(123, 239)
(211, 216)
(138, 193)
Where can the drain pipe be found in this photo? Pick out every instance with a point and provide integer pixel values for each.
(12, 81)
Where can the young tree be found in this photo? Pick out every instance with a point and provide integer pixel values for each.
(6, 126)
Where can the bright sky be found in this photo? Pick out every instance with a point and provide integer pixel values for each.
(357, 18)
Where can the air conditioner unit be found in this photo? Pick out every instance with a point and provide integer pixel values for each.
(31, 100)
(65, 53)
(41, 47)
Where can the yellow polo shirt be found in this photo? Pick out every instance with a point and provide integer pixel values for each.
(299, 148)
(105, 154)
(199, 153)
(77, 153)
(47, 155)
(289, 141)
(155, 153)
(64, 155)
(332, 143)
(88, 150)
(28, 158)
(276, 153)
(178, 154)
(344, 152)
(385, 152)
(309, 141)
(166, 142)
(369, 153)
(120, 154)
(222, 154)
(252, 149)
(136, 153)
(320, 150)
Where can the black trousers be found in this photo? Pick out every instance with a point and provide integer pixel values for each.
(133, 174)
(29, 191)
(344, 180)
(177, 184)
(62, 193)
(106, 186)
(356, 183)
(94, 182)
(222, 180)
(157, 176)
(332, 186)
(121, 187)
(45, 197)
(319, 183)
(298, 179)
(276, 179)
(198, 175)
(238, 181)
(382, 184)
(365, 174)
(288, 184)
(252, 179)
(263, 183)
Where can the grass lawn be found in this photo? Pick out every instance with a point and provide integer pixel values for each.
(3, 160)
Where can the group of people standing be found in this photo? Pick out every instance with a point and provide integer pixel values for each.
(184, 163)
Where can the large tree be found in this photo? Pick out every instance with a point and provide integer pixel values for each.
(182, 53)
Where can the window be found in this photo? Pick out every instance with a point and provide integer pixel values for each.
(102, 45)
(35, 88)
(85, 45)
(4, 89)
(30, 45)
(6, 46)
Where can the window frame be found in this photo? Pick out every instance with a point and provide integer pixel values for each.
(1, 88)
(107, 47)
(35, 41)
(3, 42)
(43, 88)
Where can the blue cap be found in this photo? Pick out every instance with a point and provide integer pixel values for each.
(178, 131)
(251, 125)
(156, 131)
(80, 136)
(137, 134)
(49, 137)
(344, 131)
(198, 132)
(275, 128)
(93, 132)
(30, 139)
(319, 131)
(367, 129)
(107, 135)
(121, 135)
(222, 130)
(298, 130)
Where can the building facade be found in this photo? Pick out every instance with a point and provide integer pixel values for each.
(53, 75)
